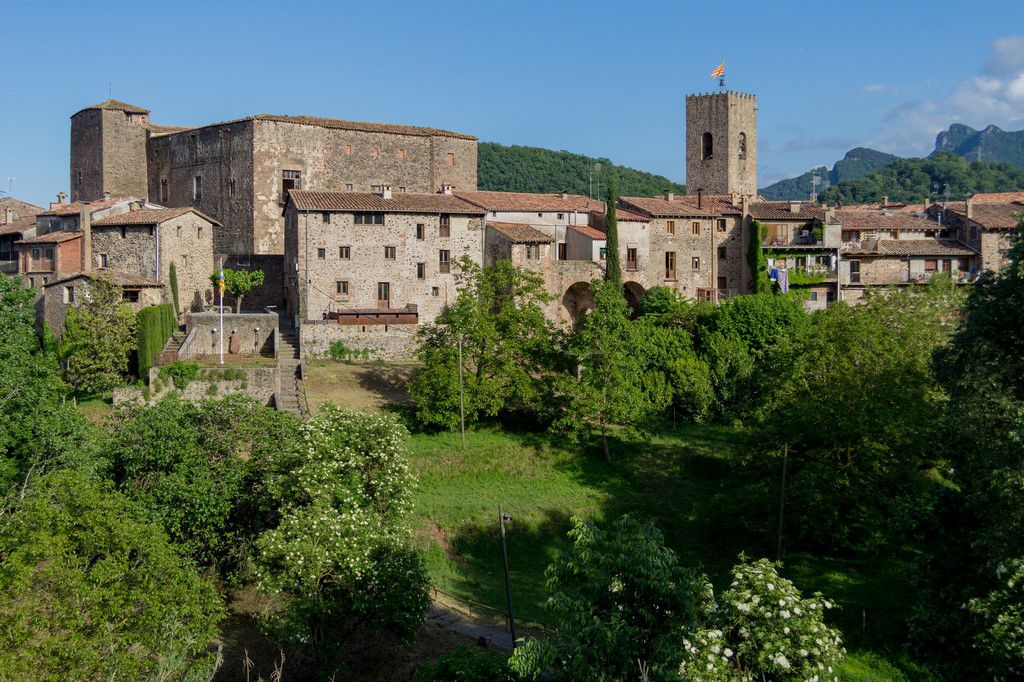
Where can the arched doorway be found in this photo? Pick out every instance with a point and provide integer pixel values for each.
(577, 301)
(633, 292)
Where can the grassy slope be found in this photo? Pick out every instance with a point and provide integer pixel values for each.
(680, 481)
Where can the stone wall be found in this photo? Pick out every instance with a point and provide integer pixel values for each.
(331, 159)
(255, 333)
(995, 247)
(726, 115)
(319, 262)
(260, 383)
(221, 155)
(271, 292)
(187, 241)
(57, 298)
(385, 342)
(87, 155)
(124, 154)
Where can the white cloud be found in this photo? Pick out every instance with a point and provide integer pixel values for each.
(874, 88)
(994, 96)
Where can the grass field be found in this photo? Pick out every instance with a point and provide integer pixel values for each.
(680, 480)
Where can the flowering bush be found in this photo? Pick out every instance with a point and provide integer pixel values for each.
(762, 628)
(1001, 611)
(341, 554)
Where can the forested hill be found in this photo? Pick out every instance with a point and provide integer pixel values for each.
(991, 144)
(914, 180)
(857, 163)
(533, 169)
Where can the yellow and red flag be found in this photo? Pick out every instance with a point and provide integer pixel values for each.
(719, 71)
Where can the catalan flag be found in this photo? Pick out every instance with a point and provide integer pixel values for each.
(719, 71)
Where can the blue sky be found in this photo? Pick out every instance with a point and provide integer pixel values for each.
(599, 78)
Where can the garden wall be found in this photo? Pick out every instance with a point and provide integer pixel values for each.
(261, 383)
(384, 341)
(256, 333)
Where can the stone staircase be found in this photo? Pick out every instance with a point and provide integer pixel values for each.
(169, 353)
(291, 397)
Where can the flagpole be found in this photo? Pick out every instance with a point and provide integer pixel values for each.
(222, 311)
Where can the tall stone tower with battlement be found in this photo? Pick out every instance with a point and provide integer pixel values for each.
(721, 143)
(108, 151)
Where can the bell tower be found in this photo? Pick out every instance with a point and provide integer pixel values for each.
(721, 143)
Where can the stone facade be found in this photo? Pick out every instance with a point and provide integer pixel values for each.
(239, 171)
(63, 293)
(384, 341)
(257, 334)
(721, 143)
(259, 383)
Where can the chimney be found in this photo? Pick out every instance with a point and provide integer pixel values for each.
(794, 207)
(927, 203)
(7, 215)
(700, 197)
(135, 206)
(563, 195)
(60, 200)
(744, 201)
(885, 200)
(970, 207)
(669, 196)
(446, 189)
(735, 199)
(106, 195)
(85, 225)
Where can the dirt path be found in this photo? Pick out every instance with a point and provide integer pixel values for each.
(357, 385)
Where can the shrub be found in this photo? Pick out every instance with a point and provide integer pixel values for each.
(180, 372)
(155, 325)
(467, 663)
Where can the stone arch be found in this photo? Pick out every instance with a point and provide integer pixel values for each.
(743, 145)
(577, 301)
(707, 146)
(634, 293)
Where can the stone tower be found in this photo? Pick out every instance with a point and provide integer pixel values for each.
(721, 143)
(108, 151)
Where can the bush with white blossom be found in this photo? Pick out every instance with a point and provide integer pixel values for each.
(762, 628)
(341, 555)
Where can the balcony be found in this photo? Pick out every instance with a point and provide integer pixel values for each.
(42, 265)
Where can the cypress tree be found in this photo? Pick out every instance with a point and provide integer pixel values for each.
(173, 276)
(613, 270)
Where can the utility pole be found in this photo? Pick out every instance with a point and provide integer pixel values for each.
(782, 501)
(502, 518)
(221, 286)
(462, 407)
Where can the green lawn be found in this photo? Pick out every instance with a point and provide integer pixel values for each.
(680, 481)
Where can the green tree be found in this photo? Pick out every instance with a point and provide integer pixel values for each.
(618, 599)
(612, 267)
(238, 283)
(507, 348)
(340, 555)
(199, 470)
(854, 398)
(173, 277)
(756, 260)
(90, 590)
(611, 387)
(99, 336)
(762, 628)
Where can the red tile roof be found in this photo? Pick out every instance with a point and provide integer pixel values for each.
(589, 231)
(22, 208)
(993, 216)
(912, 247)
(522, 202)
(56, 237)
(76, 206)
(150, 216)
(400, 202)
(630, 216)
(856, 219)
(114, 105)
(123, 279)
(520, 233)
(998, 197)
(683, 206)
(783, 210)
(18, 225)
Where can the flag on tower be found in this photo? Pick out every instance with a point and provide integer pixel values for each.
(719, 71)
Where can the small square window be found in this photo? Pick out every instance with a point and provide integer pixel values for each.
(720, 224)
(445, 226)
(390, 252)
(602, 253)
(131, 296)
(124, 232)
(420, 230)
(444, 261)
(435, 291)
(376, 151)
(69, 294)
(695, 228)
(450, 158)
(695, 262)
(344, 252)
(560, 216)
(421, 270)
(348, 185)
(103, 260)
(401, 153)
(341, 287)
(348, 149)
(321, 253)
(670, 227)
(325, 217)
(721, 253)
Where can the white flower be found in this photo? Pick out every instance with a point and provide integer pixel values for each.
(745, 608)
(784, 614)
(781, 661)
(728, 653)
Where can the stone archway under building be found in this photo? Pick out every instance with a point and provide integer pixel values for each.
(577, 301)
(634, 293)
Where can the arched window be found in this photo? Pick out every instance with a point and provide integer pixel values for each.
(743, 145)
(705, 146)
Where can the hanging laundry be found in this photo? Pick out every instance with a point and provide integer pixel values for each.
(774, 274)
(783, 281)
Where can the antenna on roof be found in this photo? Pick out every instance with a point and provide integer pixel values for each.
(815, 181)
(109, 89)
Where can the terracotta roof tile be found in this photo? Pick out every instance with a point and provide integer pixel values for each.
(400, 202)
(520, 233)
(998, 197)
(150, 216)
(114, 105)
(22, 208)
(522, 202)
(76, 206)
(18, 225)
(678, 206)
(589, 231)
(124, 279)
(857, 219)
(783, 210)
(913, 247)
(630, 216)
(993, 216)
(56, 237)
